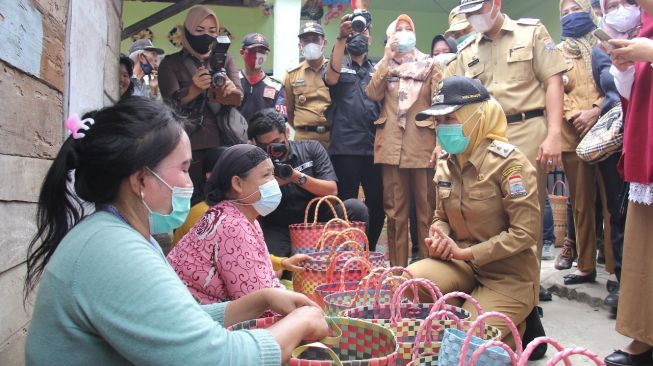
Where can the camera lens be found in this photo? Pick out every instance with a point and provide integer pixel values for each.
(358, 24)
(283, 171)
(218, 79)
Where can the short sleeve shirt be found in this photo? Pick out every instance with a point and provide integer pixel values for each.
(514, 66)
(310, 158)
(306, 96)
(351, 113)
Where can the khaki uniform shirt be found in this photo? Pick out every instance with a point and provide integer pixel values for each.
(514, 66)
(580, 94)
(410, 147)
(307, 97)
(492, 207)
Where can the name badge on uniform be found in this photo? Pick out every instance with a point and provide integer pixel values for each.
(392, 79)
(474, 62)
(269, 93)
(299, 82)
(444, 184)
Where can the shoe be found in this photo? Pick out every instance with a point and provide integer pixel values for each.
(547, 251)
(621, 358)
(533, 330)
(612, 286)
(612, 299)
(545, 295)
(566, 257)
(574, 279)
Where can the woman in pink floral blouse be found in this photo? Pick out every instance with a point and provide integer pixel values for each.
(224, 256)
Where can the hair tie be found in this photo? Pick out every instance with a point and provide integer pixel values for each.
(75, 125)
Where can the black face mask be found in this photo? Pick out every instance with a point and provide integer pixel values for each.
(199, 43)
(357, 45)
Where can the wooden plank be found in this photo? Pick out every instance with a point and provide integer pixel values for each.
(159, 17)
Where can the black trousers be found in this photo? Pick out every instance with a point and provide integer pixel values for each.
(616, 192)
(277, 237)
(353, 171)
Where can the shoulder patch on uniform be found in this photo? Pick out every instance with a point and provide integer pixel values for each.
(501, 148)
(291, 69)
(467, 42)
(513, 169)
(516, 184)
(529, 21)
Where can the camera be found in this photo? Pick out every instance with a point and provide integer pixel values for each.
(276, 151)
(217, 60)
(360, 20)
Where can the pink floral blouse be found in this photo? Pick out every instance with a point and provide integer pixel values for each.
(223, 257)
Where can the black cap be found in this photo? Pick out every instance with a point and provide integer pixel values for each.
(453, 94)
(145, 45)
(256, 40)
(470, 6)
(311, 27)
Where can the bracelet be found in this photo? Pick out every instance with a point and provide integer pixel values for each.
(334, 70)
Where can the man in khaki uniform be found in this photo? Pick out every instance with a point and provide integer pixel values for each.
(483, 237)
(307, 98)
(521, 67)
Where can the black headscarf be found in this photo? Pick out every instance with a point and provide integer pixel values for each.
(236, 160)
(449, 40)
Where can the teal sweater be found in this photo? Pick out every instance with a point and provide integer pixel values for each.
(108, 297)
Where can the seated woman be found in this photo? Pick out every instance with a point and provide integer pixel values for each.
(483, 237)
(107, 295)
(224, 256)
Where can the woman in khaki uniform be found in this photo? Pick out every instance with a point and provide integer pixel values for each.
(405, 80)
(483, 240)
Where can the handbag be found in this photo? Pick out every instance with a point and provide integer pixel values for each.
(604, 138)
(559, 210)
(304, 237)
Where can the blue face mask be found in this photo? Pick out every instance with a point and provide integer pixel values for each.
(270, 198)
(452, 139)
(160, 223)
(576, 25)
(405, 41)
(147, 66)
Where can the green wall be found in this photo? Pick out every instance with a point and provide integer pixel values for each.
(241, 21)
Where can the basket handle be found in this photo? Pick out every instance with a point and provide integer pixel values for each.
(395, 304)
(362, 262)
(352, 231)
(564, 188)
(564, 355)
(341, 255)
(334, 221)
(523, 361)
(484, 347)
(478, 323)
(323, 239)
(441, 303)
(424, 330)
(301, 349)
(386, 273)
(319, 201)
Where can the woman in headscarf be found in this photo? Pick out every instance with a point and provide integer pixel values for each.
(483, 240)
(185, 82)
(224, 256)
(405, 80)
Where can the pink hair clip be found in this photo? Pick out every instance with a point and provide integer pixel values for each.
(75, 125)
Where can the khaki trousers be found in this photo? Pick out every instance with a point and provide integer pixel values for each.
(528, 136)
(323, 138)
(458, 276)
(634, 317)
(582, 195)
(398, 185)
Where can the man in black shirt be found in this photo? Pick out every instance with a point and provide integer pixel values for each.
(259, 90)
(352, 117)
(312, 176)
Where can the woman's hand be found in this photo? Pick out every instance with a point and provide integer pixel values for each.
(303, 324)
(202, 79)
(441, 246)
(632, 50)
(284, 302)
(390, 48)
(294, 263)
(434, 156)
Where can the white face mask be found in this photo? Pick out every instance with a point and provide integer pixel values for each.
(312, 51)
(483, 22)
(260, 60)
(624, 19)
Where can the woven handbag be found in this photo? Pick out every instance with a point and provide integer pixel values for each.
(317, 267)
(320, 291)
(559, 209)
(304, 236)
(355, 343)
(460, 348)
(563, 354)
(604, 138)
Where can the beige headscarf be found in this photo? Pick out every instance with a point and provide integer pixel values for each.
(485, 120)
(412, 72)
(580, 47)
(194, 17)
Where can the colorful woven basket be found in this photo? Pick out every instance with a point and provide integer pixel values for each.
(559, 208)
(304, 237)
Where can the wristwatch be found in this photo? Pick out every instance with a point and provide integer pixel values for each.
(302, 179)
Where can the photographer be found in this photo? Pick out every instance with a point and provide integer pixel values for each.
(187, 81)
(303, 170)
(352, 117)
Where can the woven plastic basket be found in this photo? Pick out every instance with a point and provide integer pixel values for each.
(559, 208)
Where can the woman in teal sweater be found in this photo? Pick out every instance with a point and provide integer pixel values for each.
(107, 294)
